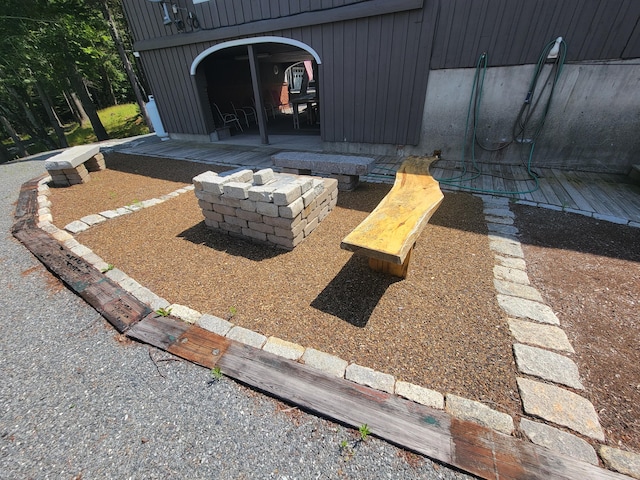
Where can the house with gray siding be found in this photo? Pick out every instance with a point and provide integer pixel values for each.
(397, 76)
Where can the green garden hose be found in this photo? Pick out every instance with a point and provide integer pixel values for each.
(524, 130)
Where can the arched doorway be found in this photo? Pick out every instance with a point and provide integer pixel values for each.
(247, 87)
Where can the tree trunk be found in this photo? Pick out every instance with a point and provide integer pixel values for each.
(127, 64)
(71, 105)
(105, 74)
(38, 130)
(22, 151)
(77, 82)
(5, 156)
(53, 117)
(78, 109)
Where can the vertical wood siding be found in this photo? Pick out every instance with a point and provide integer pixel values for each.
(373, 77)
(514, 32)
(145, 18)
(374, 71)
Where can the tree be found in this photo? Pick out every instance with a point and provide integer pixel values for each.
(133, 79)
(50, 46)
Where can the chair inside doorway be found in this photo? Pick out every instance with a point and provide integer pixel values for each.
(287, 81)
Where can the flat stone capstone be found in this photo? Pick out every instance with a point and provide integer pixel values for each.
(324, 163)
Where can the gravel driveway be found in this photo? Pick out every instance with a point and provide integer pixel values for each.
(78, 402)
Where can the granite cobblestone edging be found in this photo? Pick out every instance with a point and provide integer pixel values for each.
(510, 257)
(540, 348)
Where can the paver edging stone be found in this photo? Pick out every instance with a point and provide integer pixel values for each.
(479, 413)
(559, 441)
(547, 365)
(621, 461)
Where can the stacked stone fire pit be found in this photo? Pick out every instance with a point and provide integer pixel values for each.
(276, 208)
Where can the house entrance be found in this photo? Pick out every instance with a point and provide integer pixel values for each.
(260, 87)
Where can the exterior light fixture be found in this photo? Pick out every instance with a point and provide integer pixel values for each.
(166, 19)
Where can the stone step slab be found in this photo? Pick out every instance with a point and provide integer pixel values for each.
(324, 163)
(545, 336)
(517, 290)
(502, 229)
(513, 275)
(499, 212)
(491, 199)
(561, 407)
(547, 365)
(522, 308)
(502, 220)
(71, 157)
(511, 262)
(558, 441)
(507, 248)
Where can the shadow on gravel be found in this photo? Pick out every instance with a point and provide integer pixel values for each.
(199, 234)
(570, 231)
(343, 298)
(161, 168)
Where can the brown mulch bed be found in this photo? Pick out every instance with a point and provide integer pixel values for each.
(440, 328)
(588, 271)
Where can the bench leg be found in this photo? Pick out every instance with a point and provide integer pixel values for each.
(70, 176)
(391, 268)
(296, 171)
(346, 183)
(95, 163)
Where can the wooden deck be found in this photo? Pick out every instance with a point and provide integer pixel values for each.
(607, 197)
(604, 196)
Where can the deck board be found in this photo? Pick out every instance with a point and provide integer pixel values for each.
(602, 202)
(602, 193)
(572, 189)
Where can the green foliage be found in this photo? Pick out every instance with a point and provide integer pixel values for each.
(44, 43)
(163, 312)
(120, 121)
(348, 449)
(216, 373)
(364, 431)
(107, 268)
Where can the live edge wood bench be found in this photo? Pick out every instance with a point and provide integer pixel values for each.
(74, 164)
(344, 168)
(387, 236)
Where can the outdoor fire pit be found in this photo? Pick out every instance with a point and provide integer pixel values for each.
(281, 209)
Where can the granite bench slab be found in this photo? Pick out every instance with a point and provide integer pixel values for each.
(71, 157)
(74, 164)
(324, 162)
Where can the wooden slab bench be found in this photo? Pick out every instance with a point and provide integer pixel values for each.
(74, 164)
(388, 234)
(345, 168)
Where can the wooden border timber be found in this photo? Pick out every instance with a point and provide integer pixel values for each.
(434, 433)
